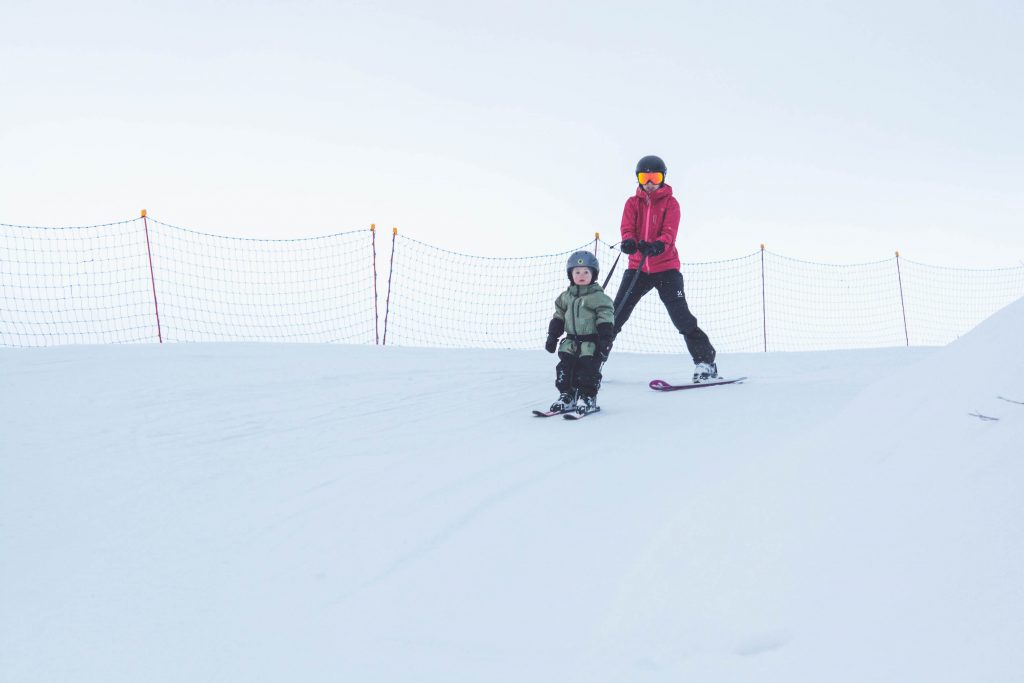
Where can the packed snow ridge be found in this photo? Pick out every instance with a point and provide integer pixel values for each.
(232, 512)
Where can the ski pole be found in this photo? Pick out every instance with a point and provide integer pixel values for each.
(636, 276)
(612, 271)
(629, 290)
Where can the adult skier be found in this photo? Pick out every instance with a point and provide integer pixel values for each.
(650, 222)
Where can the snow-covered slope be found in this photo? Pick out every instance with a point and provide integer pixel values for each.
(325, 513)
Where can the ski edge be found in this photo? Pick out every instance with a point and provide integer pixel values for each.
(662, 385)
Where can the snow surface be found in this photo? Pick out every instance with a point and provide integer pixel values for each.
(350, 513)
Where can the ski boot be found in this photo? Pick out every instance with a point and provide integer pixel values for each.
(702, 372)
(565, 403)
(585, 404)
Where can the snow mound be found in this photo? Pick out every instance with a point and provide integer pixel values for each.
(887, 544)
(320, 513)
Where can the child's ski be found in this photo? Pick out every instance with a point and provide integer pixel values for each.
(547, 413)
(662, 385)
(580, 416)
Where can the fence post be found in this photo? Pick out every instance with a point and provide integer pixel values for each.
(391, 270)
(597, 238)
(903, 306)
(376, 317)
(152, 278)
(764, 315)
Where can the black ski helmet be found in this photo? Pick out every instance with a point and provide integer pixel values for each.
(651, 164)
(583, 259)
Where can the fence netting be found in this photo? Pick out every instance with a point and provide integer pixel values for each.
(83, 285)
(944, 303)
(147, 281)
(818, 306)
(213, 288)
(442, 298)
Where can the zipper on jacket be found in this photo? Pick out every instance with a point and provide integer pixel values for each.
(647, 225)
(576, 306)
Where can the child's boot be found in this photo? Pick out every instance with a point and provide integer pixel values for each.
(566, 402)
(586, 404)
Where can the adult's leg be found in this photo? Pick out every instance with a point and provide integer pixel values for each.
(624, 310)
(670, 289)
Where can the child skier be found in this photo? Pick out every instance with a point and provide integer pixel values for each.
(585, 314)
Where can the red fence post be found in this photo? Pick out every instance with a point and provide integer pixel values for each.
(391, 270)
(152, 278)
(903, 306)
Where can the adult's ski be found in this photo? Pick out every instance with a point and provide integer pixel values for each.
(662, 385)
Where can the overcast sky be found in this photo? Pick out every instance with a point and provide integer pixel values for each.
(834, 131)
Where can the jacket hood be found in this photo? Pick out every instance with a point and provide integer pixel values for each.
(664, 191)
(582, 290)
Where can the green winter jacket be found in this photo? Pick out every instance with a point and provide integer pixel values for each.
(583, 309)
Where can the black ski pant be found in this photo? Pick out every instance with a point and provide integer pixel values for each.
(669, 284)
(582, 373)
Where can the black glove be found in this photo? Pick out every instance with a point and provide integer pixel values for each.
(555, 329)
(628, 246)
(652, 248)
(605, 338)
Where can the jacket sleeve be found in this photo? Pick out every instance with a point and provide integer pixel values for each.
(628, 226)
(604, 310)
(560, 307)
(670, 224)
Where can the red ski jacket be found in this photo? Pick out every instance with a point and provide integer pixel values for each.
(651, 218)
